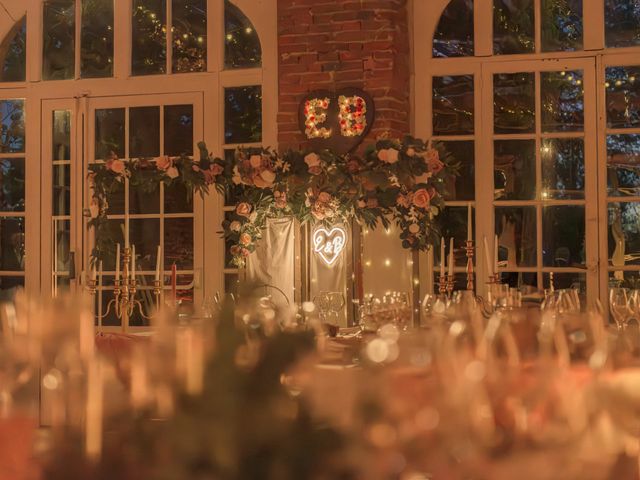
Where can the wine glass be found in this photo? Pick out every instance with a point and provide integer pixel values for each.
(619, 306)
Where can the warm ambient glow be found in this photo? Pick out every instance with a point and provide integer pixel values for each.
(329, 244)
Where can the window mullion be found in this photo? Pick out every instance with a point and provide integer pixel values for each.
(169, 36)
(78, 37)
(483, 28)
(593, 21)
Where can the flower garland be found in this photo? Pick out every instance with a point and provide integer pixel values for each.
(399, 181)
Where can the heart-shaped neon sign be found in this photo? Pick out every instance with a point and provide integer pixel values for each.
(329, 244)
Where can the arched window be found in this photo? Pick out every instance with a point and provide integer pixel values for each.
(519, 113)
(106, 90)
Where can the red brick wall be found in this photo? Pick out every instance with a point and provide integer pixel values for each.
(330, 44)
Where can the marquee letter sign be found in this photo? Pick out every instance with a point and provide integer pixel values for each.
(329, 244)
(337, 121)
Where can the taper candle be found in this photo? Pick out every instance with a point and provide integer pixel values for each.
(442, 256)
(158, 260)
(118, 261)
(133, 262)
(487, 256)
(469, 222)
(451, 257)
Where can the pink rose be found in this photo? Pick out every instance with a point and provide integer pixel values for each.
(195, 168)
(318, 211)
(245, 239)
(243, 209)
(414, 228)
(255, 161)
(421, 198)
(234, 250)
(324, 197)
(388, 155)
(235, 226)
(172, 172)
(432, 158)
(312, 160)
(163, 163)
(216, 169)
(116, 166)
(244, 252)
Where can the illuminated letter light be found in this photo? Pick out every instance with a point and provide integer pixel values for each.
(329, 244)
(313, 118)
(353, 120)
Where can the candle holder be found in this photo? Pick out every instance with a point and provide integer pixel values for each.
(450, 284)
(442, 285)
(124, 304)
(470, 249)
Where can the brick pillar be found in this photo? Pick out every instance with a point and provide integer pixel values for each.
(330, 44)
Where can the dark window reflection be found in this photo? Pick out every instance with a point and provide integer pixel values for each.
(144, 199)
(12, 253)
(9, 286)
(145, 235)
(453, 105)
(514, 102)
(563, 168)
(62, 190)
(563, 240)
(58, 39)
(109, 133)
(562, 281)
(624, 234)
(12, 136)
(12, 188)
(177, 199)
(526, 282)
(189, 35)
(61, 132)
(144, 132)
(463, 186)
(96, 54)
(453, 224)
(516, 230)
(13, 53)
(178, 243)
(562, 101)
(623, 97)
(514, 169)
(178, 130)
(513, 26)
(622, 23)
(243, 114)
(149, 30)
(623, 165)
(561, 25)
(241, 43)
(454, 34)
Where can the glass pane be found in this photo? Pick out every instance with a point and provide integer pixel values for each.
(12, 244)
(566, 280)
(526, 282)
(96, 42)
(453, 224)
(116, 233)
(453, 105)
(102, 303)
(463, 186)
(61, 245)
(14, 53)
(514, 103)
(12, 137)
(243, 114)
(623, 97)
(149, 46)
(144, 233)
(189, 35)
(61, 148)
(147, 300)
(177, 199)
(115, 200)
(622, 23)
(178, 243)
(516, 230)
(513, 26)
(8, 287)
(231, 283)
(623, 165)
(454, 35)
(242, 45)
(563, 168)
(109, 133)
(563, 241)
(58, 39)
(562, 101)
(624, 234)
(627, 279)
(178, 130)
(142, 201)
(144, 132)
(561, 25)
(62, 190)
(12, 192)
(514, 169)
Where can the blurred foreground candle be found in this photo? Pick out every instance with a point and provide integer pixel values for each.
(190, 360)
(87, 335)
(95, 407)
(139, 378)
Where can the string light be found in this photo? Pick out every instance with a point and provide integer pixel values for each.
(313, 118)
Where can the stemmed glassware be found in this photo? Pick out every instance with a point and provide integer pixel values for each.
(619, 306)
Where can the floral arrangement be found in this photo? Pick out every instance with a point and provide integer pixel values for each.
(399, 181)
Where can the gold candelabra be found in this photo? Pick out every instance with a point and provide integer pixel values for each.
(469, 248)
(124, 303)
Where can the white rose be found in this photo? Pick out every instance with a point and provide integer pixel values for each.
(414, 228)
(268, 176)
(253, 217)
(312, 160)
(172, 172)
(236, 179)
(235, 226)
(255, 160)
